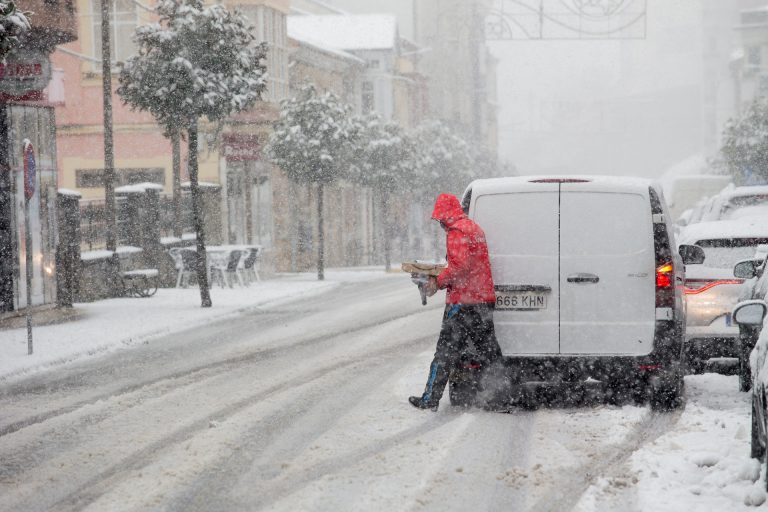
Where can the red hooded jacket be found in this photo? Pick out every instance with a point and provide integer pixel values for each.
(468, 276)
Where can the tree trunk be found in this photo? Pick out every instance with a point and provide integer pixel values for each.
(176, 150)
(320, 235)
(247, 187)
(110, 210)
(386, 231)
(197, 215)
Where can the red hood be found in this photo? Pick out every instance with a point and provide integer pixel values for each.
(447, 209)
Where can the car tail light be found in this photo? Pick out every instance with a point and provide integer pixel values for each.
(665, 286)
(649, 367)
(697, 287)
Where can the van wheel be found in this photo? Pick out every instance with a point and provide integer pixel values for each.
(667, 392)
(757, 451)
(462, 393)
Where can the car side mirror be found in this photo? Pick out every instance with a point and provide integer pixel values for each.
(750, 312)
(692, 254)
(746, 269)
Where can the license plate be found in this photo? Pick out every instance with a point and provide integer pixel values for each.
(521, 300)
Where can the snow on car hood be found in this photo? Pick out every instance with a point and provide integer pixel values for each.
(744, 227)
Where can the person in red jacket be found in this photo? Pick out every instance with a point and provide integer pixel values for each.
(470, 299)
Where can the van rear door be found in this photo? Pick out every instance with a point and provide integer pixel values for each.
(522, 233)
(607, 274)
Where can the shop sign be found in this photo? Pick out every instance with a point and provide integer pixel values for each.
(240, 147)
(25, 71)
(30, 170)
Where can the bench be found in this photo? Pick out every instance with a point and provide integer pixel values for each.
(140, 282)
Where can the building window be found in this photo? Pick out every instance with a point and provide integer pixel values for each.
(94, 178)
(374, 64)
(124, 21)
(368, 97)
(754, 56)
(270, 27)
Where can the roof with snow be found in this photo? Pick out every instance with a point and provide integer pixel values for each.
(346, 32)
(319, 46)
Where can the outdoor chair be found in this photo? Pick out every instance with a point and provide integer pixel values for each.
(251, 265)
(186, 265)
(226, 273)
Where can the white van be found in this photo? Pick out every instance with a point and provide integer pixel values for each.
(587, 283)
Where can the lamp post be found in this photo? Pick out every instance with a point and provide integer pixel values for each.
(109, 156)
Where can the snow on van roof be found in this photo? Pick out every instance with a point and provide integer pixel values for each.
(744, 227)
(598, 183)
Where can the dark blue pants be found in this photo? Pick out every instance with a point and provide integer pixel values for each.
(467, 328)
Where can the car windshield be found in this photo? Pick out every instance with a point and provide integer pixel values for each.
(726, 252)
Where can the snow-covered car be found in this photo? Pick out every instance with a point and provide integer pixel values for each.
(587, 281)
(750, 316)
(712, 289)
(743, 202)
(755, 287)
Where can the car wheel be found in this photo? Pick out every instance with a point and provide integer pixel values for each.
(757, 451)
(745, 373)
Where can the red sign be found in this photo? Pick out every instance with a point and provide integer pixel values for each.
(240, 147)
(23, 72)
(30, 170)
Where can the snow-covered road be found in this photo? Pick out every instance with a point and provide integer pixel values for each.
(303, 407)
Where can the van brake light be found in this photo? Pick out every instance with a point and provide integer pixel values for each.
(664, 276)
(560, 180)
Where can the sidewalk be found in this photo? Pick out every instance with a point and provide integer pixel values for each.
(97, 328)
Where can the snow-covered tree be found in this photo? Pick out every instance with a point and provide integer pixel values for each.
(745, 143)
(385, 160)
(196, 61)
(13, 24)
(311, 142)
(446, 161)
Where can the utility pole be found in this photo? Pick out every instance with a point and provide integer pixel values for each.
(109, 156)
(477, 48)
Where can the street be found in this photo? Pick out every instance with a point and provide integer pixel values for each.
(298, 407)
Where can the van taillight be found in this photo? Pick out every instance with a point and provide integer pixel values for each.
(665, 277)
(665, 286)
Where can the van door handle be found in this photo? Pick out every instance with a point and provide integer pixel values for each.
(583, 278)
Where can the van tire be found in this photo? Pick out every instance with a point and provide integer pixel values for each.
(666, 393)
(462, 393)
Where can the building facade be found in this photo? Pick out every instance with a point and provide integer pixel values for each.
(230, 155)
(28, 158)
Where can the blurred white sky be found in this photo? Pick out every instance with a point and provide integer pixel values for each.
(614, 107)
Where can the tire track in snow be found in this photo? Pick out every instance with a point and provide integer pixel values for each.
(94, 488)
(212, 369)
(573, 482)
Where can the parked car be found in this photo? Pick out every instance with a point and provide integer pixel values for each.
(750, 315)
(743, 201)
(587, 281)
(712, 289)
(755, 286)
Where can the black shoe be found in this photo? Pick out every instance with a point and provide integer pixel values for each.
(418, 403)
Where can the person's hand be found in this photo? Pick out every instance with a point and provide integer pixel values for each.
(431, 286)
